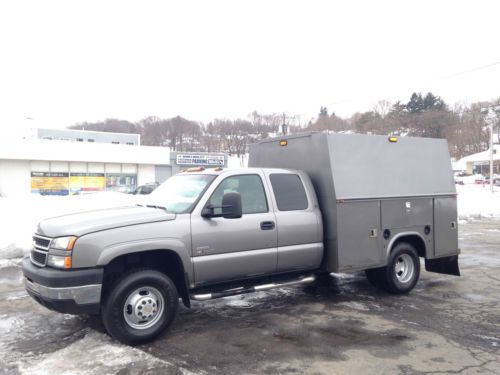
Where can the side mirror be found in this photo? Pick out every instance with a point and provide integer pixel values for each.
(231, 206)
(208, 211)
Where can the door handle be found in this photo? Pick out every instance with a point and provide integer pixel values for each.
(267, 225)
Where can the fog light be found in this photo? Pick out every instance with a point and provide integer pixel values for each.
(57, 261)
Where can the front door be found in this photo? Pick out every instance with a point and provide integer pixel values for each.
(225, 249)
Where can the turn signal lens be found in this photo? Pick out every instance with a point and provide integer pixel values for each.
(71, 243)
(393, 139)
(283, 142)
(68, 263)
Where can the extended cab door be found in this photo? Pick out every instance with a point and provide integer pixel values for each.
(225, 249)
(300, 229)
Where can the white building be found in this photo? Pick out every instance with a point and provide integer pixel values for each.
(480, 162)
(87, 136)
(62, 167)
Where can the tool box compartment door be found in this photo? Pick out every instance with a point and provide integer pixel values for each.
(446, 227)
(358, 235)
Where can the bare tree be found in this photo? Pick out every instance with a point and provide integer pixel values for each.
(382, 108)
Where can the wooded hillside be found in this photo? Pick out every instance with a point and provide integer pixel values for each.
(464, 126)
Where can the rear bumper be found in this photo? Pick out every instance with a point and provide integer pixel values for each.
(70, 292)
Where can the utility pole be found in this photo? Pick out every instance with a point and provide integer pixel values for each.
(492, 175)
(284, 126)
(491, 117)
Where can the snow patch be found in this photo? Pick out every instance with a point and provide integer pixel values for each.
(241, 303)
(6, 323)
(477, 201)
(355, 306)
(96, 354)
(488, 337)
(19, 216)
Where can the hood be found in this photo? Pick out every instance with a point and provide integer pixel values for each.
(93, 221)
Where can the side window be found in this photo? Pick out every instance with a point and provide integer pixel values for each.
(253, 196)
(289, 192)
(146, 190)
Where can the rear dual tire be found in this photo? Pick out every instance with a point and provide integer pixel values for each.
(401, 273)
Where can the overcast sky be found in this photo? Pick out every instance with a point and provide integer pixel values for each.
(64, 62)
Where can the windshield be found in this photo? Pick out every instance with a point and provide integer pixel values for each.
(180, 193)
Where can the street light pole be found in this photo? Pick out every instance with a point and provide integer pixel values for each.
(490, 117)
(492, 179)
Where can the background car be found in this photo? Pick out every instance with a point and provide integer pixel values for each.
(145, 189)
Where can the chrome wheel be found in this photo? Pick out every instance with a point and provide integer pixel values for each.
(143, 307)
(404, 268)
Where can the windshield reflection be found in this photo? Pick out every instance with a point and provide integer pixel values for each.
(180, 193)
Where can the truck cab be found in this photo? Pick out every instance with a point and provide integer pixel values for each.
(201, 228)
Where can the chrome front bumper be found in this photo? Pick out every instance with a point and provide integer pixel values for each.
(82, 295)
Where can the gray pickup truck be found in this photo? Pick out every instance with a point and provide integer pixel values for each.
(350, 203)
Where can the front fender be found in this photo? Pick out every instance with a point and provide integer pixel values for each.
(99, 248)
(172, 244)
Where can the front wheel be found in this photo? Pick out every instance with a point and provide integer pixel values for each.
(140, 306)
(403, 269)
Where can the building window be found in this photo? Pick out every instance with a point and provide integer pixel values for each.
(90, 140)
(115, 142)
(130, 143)
(79, 139)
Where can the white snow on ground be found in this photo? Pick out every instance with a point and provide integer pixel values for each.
(476, 201)
(20, 215)
(96, 354)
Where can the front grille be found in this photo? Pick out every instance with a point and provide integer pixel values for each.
(39, 257)
(40, 250)
(41, 242)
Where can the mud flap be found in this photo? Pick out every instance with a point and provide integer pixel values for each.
(446, 265)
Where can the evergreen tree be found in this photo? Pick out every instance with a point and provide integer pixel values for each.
(416, 103)
(432, 102)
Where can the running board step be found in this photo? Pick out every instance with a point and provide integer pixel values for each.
(251, 289)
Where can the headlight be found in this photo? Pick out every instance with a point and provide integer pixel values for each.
(63, 243)
(61, 261)
(57, 261)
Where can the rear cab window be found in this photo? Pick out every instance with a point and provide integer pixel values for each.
(289, 192)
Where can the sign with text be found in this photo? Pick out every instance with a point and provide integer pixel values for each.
(50, 183)
(193, 159)
(79, 182)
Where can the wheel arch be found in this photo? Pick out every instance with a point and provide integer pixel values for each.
(166, 261)
(413, 238)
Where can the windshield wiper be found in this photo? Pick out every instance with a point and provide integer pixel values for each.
(157, 207)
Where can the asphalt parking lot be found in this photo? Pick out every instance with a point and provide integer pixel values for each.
(447, 325)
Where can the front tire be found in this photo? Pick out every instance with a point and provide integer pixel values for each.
(140, 306)
(403, 269)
